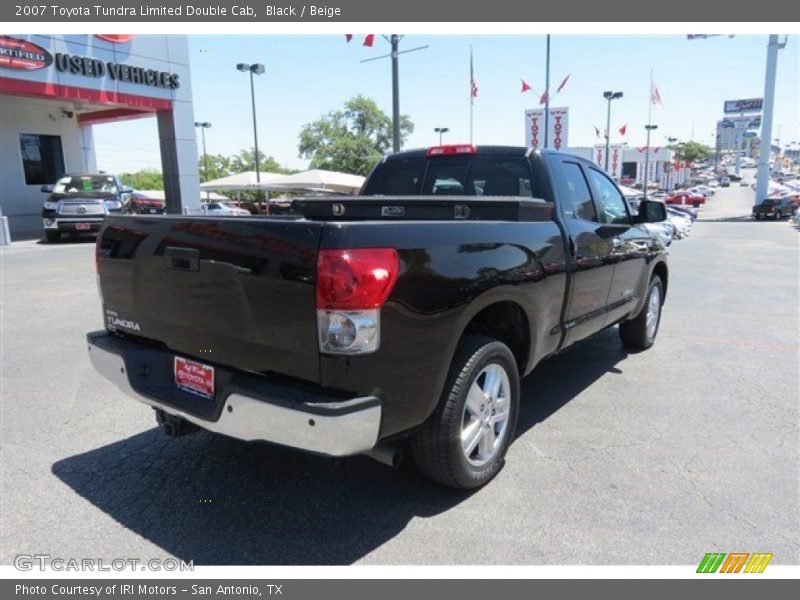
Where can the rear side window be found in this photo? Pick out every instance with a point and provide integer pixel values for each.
(453, 176)
(577, 199)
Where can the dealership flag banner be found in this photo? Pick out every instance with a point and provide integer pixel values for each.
(559, 128)
(615, 156)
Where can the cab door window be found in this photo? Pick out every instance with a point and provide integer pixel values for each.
(612, 204)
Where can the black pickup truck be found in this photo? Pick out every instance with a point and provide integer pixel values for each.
(401, 318)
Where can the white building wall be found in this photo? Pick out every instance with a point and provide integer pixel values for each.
(23, 203)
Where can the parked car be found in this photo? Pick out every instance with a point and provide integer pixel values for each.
(224, 209)
(725, 181)
(681, 222)
(703, 190)
(713, 183)
(776, 208)
(686, 197)
(142, 204)
(686, 210)
(391, 317)
(78, 202)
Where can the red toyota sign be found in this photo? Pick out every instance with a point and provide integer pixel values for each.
(115, 38)
(22, 55)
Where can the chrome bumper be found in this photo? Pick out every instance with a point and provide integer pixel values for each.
(336, 429)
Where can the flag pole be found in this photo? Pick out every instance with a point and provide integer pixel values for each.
(471, 93)
(547, 94)
(649, 123)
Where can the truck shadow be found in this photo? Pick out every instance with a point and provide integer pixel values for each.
(217, 501)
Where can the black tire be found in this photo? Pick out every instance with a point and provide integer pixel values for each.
(634, 333)
(757, 216)
(52, 236)
(437, 446)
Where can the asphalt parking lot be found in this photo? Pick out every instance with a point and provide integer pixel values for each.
(650, 458)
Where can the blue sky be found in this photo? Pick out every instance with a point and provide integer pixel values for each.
(307, 76)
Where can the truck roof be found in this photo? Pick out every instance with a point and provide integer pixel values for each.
(485, 150)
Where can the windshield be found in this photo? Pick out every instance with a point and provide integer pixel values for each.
(76, 184)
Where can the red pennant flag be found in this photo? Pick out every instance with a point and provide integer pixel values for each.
(623, 129)
(525, 87)
(369, 40)
(563, 83)
(543, 98)
(348, 37)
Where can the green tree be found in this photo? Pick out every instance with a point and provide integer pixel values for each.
(351, 140)
(218, 166)
(145, 179)
(692, 151)
(245, 160)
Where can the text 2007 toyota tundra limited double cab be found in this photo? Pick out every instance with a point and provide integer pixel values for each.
(402, 317)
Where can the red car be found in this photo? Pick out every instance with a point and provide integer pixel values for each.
(684, 197)
(142, 204)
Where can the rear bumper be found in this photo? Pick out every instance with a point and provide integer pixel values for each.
(247, 407)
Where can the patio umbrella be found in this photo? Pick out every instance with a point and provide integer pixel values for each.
(239, 182)
(318, 180)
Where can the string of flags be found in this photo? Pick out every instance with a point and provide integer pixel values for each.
(369, 39)
(526, 87)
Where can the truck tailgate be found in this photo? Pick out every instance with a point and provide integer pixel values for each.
(231, 291)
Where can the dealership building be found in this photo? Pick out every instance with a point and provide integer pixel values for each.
(54, 88)
(627, 164)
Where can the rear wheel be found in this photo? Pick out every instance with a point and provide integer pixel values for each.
(52, 236)
(464, 443)
(640, 332)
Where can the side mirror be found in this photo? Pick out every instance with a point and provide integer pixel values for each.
(125, 189)
(651, 211)
(47, 189)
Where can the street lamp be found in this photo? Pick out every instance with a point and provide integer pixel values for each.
(254, 69)
(441, 131)
(647, 156)
(609, 96)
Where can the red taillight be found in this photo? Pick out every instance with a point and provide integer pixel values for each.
(452, 150)
(355, 279)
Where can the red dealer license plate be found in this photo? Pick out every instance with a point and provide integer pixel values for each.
(83, 226)
(194, 377)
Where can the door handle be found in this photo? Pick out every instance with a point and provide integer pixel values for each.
(184, 259)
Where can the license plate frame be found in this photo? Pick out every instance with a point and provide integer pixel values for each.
(83, 226)
(194, 377)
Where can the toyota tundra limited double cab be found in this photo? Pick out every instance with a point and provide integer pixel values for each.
(402, 318)
(78, 202)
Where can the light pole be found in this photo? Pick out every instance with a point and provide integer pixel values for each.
(254, 69)
(441, 131)
(609, 96)
(203, 126)
(670, 142)
(394, 42)
(647, 157)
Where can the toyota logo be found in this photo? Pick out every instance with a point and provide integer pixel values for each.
(81, 209)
